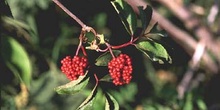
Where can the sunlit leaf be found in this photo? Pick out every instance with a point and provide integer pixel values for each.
(43, 4)
(99, 103)
(111, 103)
(154, 51)
(88, 103)
(103, 59)
(201, 104)
(189, 103)
(127, 15)
(145, 15)
(16, 59)
(73, 86)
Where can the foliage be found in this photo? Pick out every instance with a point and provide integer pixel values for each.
(31, 54)
(16, 59)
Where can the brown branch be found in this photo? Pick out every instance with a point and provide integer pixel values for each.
(184, 85)
(180, 36)
(194, 24)
(69, 13)
(191, 46)
(185, 40)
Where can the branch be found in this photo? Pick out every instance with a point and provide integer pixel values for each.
(69, 13)
(195, 25)
(181, 37)
(185, 40)
(194, 64)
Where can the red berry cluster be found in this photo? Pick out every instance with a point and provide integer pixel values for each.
(120, 69)
(73, 68)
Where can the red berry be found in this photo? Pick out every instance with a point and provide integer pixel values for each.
(120, 69)
(75, 67)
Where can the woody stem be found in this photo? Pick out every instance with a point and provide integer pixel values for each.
(69, 13)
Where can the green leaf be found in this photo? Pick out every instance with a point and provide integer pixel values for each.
(201, 104)
(106, 78)
(103, 59)
(154, 32)
(111, 103)
(20, 28)
(43, 4)
(88, 103)
(16, 59)
(145, 15)
(100, 20)
(42, 88)
(125, 94)
(189, 102)
(8, 21)
(154, 50)
(127, 15)
(154, 35)
(99, 103)
(152, 29)
(73, 86)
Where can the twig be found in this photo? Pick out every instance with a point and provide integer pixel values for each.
(185, 40)
(194, 64)
(181, 37)
(69, 13)
(184, 85)
(82, 34)
(110, 50)
(195, 25)
(200, 49)
(213, 12)
(96, 79)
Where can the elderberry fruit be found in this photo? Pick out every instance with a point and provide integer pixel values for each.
(75, 67)
(120, 69)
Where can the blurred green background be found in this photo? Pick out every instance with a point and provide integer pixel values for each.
(36, 35)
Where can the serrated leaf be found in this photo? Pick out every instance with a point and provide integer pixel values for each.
(16, 59)
(127, 15)
(88, 103)
(103, 59)
(154, 51)
(145, 15)
(73, 86)
(111, 103)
